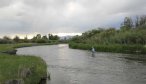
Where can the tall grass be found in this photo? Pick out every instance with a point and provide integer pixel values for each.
(10, 64)
(118, 48)
(9, 68)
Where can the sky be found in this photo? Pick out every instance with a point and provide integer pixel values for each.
(64, 16)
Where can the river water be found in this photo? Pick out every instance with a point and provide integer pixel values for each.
(70, 66)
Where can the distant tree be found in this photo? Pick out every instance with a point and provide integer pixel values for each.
(137, 22)
(6, 38)
(45, 37)
(127, 24)
(38, 36)
(76, 39)
(56, 37)
(34, 39)
(50, 36)
(26, 39)
(53, 37)
(142, 20)
(16, 39)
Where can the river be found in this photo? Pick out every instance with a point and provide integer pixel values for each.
(73, 66)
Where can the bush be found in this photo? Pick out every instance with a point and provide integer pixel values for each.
(41, 41)
(4, 41)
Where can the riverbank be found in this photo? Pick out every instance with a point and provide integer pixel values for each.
(116, 48)
(6, 47)
(22, 69)
(70, 66)
(27, 69)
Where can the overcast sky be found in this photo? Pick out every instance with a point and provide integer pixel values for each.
(66, 16)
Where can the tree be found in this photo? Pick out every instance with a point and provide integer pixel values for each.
(53, 37)
(6, 38)
(142, 20)
(56, 37)
(50, 36)
(16, 39)
(127, 24)
(38, 36)
(137, 22)
(45, 37)
(34, 39)
(26, 39)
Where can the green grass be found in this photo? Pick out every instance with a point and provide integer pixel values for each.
(117, 48)
(10, 65)
(5, 47)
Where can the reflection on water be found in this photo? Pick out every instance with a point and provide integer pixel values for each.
(70, 66)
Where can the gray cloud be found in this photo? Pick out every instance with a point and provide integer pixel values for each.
(4, 3)
(45, 16)
(13, 26)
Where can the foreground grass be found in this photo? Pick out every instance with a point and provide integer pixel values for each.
(10, 65)
(117, 48)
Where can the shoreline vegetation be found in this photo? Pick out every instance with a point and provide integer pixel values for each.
(7, 47)
(115, 48)
(21, 69)
(129, 38)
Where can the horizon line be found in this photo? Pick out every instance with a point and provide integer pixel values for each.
(30, 35)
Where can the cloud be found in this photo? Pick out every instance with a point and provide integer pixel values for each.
(5, 3)
(58, 16)
(13, 26)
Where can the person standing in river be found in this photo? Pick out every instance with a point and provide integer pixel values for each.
(93, 51)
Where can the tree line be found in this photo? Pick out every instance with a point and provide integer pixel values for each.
(36, 39)
(131, 31)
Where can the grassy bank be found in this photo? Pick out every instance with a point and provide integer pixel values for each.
(128, 38)
(6, 47)
(117, 48)
(12, 65)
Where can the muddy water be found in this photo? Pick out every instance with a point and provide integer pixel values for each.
(70, 66)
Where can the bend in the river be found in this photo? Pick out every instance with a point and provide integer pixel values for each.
(70, 66)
